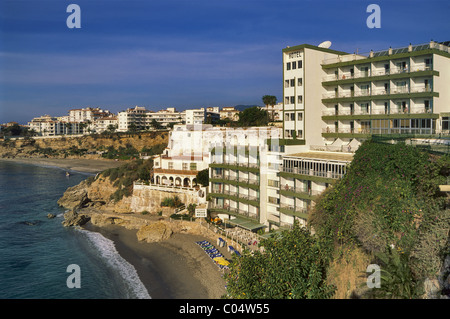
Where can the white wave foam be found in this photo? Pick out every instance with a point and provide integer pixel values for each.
(108, 251)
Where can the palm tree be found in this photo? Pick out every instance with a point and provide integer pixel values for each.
(397, 281)
(269, 100)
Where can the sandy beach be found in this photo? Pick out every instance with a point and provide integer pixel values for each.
(176, 268)
(69, 164)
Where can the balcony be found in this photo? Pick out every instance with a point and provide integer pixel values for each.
(380, 93)
(301, 190)
(233, 210)
(326, 174)
(292, 210)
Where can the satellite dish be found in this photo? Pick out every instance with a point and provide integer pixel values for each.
(325, 44)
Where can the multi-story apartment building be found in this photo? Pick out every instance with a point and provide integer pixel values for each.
(143, 119)
(396, 91)
(87, 114)
(229, 112)
(166, 117)
(195, 116)
(104, 124)
(52, 126)
(243, 167)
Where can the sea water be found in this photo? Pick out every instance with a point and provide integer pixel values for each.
(35, 251)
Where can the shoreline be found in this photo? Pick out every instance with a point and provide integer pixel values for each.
(176, 268)
(82, 165)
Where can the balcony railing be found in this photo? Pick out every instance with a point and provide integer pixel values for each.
(293, 208)
(377, 92)
(310, 172)
(360, 56)
(375, 72)
(300, 190)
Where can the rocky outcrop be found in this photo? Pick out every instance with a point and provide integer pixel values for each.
(72, 218)
(75, 197)
(96, 194)
(154, 232)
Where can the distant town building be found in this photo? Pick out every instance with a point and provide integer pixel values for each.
(87, 114)
(229, 112)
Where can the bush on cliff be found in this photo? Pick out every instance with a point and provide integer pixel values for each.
(123, 177)
(390, 197)
(292, 266)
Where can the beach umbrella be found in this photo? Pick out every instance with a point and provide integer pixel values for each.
(221, 261)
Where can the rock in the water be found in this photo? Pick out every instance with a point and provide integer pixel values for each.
(154, 232)
(72, 218)
(50, 216)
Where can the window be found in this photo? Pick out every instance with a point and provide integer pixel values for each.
(170, 165)
(300, 81)
(427, 106)
(288, 66)
(292, 99)
(446, 123)
(299, 116)
(286, 100)
(299, 133)
(286, 83)
(300, 99)
(294, 65)
(193, 166)
(286, 116)
(292, 116)
(292, 82)
(300, 64)
(185, 166)
(287, 134)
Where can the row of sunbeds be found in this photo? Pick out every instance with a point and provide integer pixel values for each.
(214, 254)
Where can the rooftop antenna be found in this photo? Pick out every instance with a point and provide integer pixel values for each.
(325, 44)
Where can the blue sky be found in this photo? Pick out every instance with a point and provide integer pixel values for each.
(180, 53)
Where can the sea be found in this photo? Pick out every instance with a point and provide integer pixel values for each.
(42, 259)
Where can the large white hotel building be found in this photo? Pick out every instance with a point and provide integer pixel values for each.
(268, 177)
(332, 102)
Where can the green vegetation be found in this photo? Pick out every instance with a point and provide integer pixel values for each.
(123, 177)
(173, 202)
(270, 100)
(203, 177)
(293, 266)
(253, 116)
(388, 206)
(16, 130)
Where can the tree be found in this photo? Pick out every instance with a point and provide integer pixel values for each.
(203, 177)
(292, 266)
(111, 128)
(253, 116)
(270, 100)
(156, 125)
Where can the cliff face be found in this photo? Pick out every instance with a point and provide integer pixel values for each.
(96, 194)
(69, 147)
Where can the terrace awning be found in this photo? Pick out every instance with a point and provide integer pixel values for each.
(245, 223)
